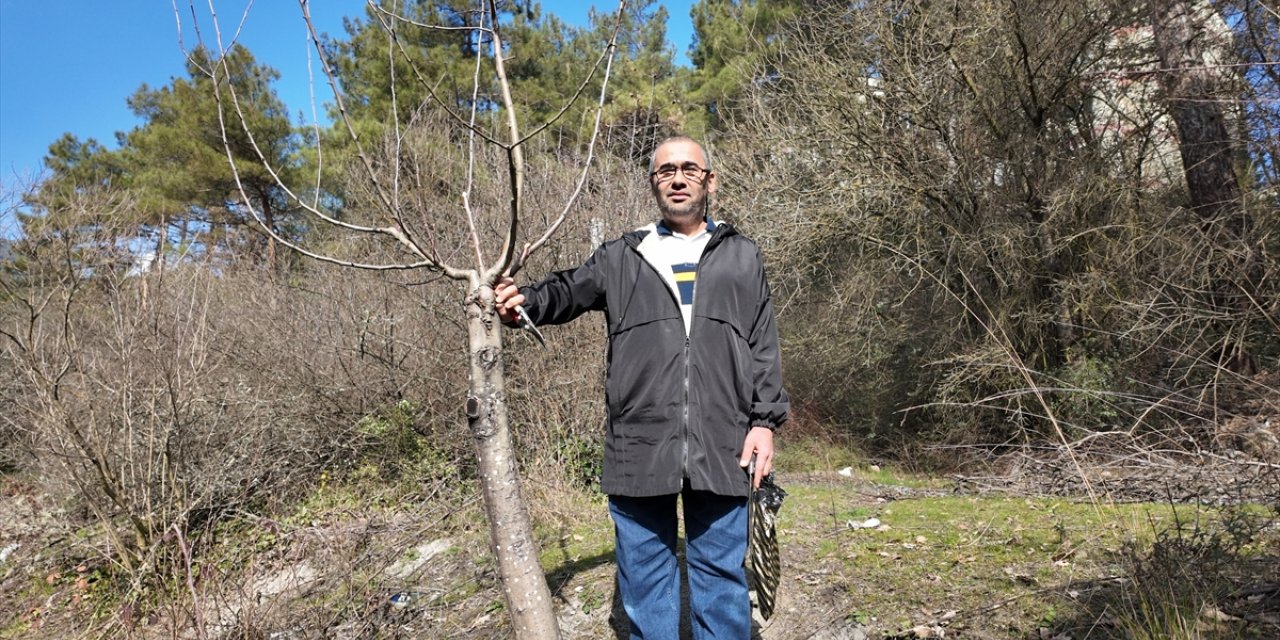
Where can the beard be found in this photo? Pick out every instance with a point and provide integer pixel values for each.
(691, 209)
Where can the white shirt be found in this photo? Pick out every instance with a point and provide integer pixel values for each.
(675, 257)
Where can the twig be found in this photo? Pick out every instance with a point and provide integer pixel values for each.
(471, 157)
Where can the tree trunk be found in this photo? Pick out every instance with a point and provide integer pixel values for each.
(269, 216)
(162, 234)
(510, 532)
(1193, 83)
(1192, 87)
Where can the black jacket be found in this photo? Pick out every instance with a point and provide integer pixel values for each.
(678, 407)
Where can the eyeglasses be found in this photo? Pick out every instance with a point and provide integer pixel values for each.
(692, 172)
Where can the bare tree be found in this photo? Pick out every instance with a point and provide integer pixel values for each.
(401, 190)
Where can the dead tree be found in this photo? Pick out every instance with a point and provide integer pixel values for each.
(401, 223)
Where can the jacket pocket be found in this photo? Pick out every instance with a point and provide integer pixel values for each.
(646, 373)
(725, 372)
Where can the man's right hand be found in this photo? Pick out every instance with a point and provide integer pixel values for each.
(506, 297)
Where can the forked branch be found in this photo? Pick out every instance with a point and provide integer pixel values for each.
(510, 259)
(510, 262)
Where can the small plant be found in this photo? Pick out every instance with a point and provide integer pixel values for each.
(592, 600)
(582, 459)
(1182, 580)
(392, 427)
(1049, 617)
(395, 447)
(1083, 401)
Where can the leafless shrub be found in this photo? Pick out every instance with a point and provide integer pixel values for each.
(162, 399)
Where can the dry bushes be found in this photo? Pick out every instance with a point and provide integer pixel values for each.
(975, 240)
(160, 400)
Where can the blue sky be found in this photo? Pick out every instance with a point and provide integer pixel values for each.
(68, 66)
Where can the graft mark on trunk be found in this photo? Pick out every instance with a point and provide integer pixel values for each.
(488, 357)
(481, 414)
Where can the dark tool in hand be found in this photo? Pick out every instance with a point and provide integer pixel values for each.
(525, 322)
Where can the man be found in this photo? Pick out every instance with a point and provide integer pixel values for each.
(694, 392)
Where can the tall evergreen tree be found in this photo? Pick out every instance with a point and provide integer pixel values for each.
(81, 212)
(650, 98)
(74, 166)
(178, 165)
(397, 63)
(733, 40)
(388, 57)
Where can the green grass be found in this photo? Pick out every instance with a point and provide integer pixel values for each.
(1003, 562)
(934, 554)
(1010, 566)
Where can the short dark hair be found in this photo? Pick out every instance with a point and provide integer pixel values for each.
(679, 138)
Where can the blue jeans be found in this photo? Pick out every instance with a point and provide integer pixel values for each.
(649, 576)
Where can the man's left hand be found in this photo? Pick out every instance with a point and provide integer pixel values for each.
(759, 442)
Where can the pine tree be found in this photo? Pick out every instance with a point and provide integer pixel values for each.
(177, 164)
(733, 43)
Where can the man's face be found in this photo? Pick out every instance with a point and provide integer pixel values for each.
(682, 194)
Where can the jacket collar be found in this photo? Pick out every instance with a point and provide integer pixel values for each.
(720, 231)
(664, 230)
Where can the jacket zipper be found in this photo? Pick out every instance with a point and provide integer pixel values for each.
(684, 440)
(684, 435)
(693, 305)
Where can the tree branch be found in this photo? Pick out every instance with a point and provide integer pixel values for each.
(471, 157)
(530, 248)
(387, 202)
(397, 231)
(431, 91)
(515, 154)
